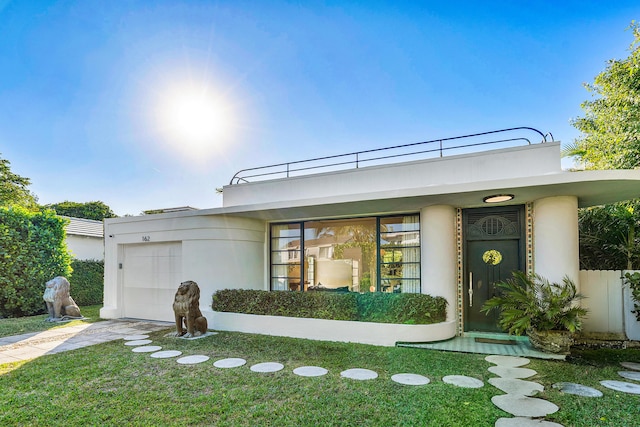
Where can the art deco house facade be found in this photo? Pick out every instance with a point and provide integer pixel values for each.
(393, 220)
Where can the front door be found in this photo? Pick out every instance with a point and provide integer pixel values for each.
(493, 250)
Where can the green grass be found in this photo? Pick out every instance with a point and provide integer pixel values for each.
(23, 325)
(109, 385)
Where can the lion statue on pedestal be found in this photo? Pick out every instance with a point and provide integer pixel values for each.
(59, 302)
(186, 307)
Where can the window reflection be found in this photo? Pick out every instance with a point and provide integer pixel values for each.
(347, 255)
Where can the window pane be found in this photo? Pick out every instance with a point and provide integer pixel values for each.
(410, 286)
(411, 238)
(344, 253)
(280, 270)
(285, 243)
(400, 223)
(278, 284)
(285, 230)
(285, 256)
(341, 254)
(281, 257)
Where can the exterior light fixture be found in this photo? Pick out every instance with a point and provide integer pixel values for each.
(498, 198)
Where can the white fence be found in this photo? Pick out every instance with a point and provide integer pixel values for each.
(609, 304)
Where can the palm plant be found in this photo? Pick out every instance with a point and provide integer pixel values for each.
(531, 302)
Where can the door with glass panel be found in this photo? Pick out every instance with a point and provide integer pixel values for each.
(493, 251)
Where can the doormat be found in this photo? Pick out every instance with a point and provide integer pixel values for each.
(495, 341)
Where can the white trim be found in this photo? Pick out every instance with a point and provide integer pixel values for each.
(383, 334)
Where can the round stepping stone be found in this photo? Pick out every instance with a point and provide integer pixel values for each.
(135, 337)
(463, 381)
(192, 360)
(310, 371)
(577, 389)
(631, 365)
(507, 361)
(359, 374)
(524, 422)
(523, 406)
(506, 372)
(138, 342)
(516, 386)
(410, 379)
(267, 367)
(232, 362)
(622, 386)
(147, 349)
(166, 354)
(630, 375)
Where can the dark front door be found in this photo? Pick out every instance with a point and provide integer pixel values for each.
(493, 250)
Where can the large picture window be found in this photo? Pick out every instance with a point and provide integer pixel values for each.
(376, 254)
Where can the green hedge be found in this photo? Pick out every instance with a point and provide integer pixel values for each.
(87, 282)
(32, 251)
(370, 307)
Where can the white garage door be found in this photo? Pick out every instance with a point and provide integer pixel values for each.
(151, 274)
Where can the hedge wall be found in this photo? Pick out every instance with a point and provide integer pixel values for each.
(32, 251)
(370, 307)
(87, 282)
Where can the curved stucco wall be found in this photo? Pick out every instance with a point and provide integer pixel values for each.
(438, 256)
(217, 252)
(384, 334)
(555, 238)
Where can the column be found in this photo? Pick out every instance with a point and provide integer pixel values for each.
(555, 238)
(438, 254)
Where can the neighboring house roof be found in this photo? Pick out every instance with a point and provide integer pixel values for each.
(84, 227)
(170, 210)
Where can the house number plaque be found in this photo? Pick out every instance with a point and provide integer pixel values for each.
(146, 238)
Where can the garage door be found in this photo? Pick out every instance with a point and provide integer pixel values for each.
(151, 274)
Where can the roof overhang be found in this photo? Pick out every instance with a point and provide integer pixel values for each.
(590, 187)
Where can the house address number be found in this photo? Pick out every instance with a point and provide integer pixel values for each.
(146, 238)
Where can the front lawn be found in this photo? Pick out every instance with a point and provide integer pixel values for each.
(23, 325)
(108, 384)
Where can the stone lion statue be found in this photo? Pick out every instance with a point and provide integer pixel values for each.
(59, 302)
(186, 307)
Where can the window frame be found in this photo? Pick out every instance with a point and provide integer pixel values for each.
(380, 264)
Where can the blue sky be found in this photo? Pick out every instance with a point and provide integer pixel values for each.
(84, 85)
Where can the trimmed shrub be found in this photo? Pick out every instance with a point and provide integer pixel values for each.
(87, 282)
(290, 304)
(401, 308)
(371, 307)
(32, 251)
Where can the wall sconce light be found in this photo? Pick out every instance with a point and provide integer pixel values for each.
(498, 198)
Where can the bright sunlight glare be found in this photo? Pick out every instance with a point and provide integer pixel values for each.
(193, 120)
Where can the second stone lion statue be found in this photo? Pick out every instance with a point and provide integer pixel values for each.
(59, 302)
(186, 307)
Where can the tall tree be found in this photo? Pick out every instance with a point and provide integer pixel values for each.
(14, 188)
(610, 139)
(610, 127)
(90, 210)
(610, 236)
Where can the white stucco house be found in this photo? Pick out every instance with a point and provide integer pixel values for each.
(449, 220)
(85, 238)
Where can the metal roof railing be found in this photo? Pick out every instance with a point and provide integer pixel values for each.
(419, 150)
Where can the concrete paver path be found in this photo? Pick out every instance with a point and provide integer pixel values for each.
(23, 347)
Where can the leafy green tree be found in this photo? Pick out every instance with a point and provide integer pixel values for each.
(14, 188)
(610, 128)
(91, 210)
(610, 236)
(610, 139)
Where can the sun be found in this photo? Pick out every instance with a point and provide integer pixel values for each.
(193, 119)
